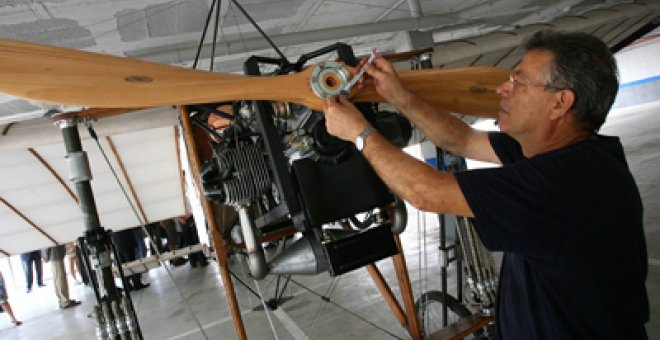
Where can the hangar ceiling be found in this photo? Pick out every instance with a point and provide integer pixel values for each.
(169, 31)
(37, 210)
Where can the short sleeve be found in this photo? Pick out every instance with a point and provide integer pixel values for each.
(515, 206)
(506, 148)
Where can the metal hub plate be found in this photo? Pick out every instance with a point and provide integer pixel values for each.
(328, 78)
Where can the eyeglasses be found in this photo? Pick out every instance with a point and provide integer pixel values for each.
(513, 81)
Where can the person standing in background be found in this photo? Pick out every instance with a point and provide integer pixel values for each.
(190, 238)
(74, 264)
(141, 251)
(4, 302)
(28, 259)
(127, 248)
(173, 233)
(55, 255)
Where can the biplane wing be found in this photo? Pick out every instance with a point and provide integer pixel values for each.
(38, 203)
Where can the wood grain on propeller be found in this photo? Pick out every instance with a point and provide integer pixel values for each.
(71, 77)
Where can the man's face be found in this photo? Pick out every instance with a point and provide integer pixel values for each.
(526, 104)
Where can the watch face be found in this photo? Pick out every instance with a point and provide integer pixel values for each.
(359, 143)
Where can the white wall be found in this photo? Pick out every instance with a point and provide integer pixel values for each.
(639, 71)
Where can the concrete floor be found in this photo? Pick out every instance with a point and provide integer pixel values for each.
(355, 310)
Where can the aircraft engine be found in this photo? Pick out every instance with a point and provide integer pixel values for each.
(277, 165)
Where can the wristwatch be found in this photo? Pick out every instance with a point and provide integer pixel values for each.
(360, 140)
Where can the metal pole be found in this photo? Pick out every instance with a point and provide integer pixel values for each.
(96, 238)
(79, 173)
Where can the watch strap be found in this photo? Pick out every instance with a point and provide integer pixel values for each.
(362, 137)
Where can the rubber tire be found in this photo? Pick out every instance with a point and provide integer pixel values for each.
(453, 307)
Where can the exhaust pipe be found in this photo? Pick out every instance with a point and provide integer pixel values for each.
(256, 257)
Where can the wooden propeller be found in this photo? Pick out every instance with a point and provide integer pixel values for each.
(78, 78)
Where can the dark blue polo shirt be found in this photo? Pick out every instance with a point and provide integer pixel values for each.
(570, 224)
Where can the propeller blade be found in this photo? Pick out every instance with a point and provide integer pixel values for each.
(468, 90)
(79, 78)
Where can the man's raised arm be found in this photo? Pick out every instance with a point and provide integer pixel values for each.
(441, 128)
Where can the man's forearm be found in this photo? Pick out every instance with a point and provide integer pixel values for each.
(413, 180)
(440, 127)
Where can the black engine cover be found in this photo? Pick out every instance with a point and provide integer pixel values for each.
(331, 192)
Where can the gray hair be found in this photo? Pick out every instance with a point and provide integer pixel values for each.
(584, 64)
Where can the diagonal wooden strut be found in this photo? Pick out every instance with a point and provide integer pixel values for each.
(407, 319)
(387, 294)
(406, 291)
(26, 219)
(55, 174)
(131, 188)
(220, 251)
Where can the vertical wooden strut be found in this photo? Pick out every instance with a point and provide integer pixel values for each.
(220, 251)
(182, 177)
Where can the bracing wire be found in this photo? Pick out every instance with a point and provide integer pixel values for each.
(313, 326)
(327, 300)
(258, 28)
(238, 28)
(94, 136)
(421, 237)
(215, 34)
(259, 293)
(201, 40)
(422, 256)
(266, 310)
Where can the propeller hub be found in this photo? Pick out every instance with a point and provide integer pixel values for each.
(328, 78)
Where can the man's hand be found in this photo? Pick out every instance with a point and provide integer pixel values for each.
(343, 119)
(383, 77)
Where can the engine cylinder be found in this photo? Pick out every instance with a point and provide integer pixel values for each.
(249, 179)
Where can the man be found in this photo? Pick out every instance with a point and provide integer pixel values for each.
(56, 257)
(190, 238)
(564, 207)
(173, 240)
(127, 248)
(28, 260)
